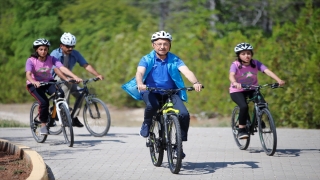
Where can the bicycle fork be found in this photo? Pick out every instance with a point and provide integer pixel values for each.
(97, 112)
(167, 129)
(57, 104)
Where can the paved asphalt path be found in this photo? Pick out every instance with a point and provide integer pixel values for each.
(211, 153)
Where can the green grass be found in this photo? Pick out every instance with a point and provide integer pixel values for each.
(11, 123)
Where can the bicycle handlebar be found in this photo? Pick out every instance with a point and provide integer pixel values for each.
(170, 90)
(248, 87)
(56, 82)
(90, 80)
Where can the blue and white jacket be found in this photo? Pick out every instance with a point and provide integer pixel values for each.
(131, 86)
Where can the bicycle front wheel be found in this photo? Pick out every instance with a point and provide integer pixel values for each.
(243, 144)
(96, 117)
(267, 132)
(66, 125)
(174, 146)
(35, 123)
(155, 143)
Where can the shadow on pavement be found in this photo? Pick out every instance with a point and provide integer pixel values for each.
(294, 152)
(110, 135)
(190, 168)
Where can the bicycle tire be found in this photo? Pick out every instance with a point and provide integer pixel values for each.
(56, 130)
(35, 123)
(155, 143)
(243, 144)
(267, 132)
(174, 144)
(67, 128)
(96, 117)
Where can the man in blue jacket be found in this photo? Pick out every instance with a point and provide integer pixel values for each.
(161, 69)
(69, 57)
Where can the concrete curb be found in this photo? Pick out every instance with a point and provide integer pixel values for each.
(39, 170)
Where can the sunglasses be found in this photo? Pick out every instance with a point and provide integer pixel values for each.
(69, 46)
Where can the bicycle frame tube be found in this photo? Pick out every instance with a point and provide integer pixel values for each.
(78, 102)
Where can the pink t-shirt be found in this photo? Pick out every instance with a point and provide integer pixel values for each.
(246, 75)
(41, 71)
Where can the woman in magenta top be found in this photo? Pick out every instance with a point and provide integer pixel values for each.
(38, 69)
(244, 70)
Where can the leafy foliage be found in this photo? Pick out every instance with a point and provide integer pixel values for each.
(27, 21)
(113, 35)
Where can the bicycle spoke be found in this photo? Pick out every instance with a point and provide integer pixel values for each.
(243, 144)
(67, 125)
(174, 146)
(155, 145)
(96, 117)
(35, 123)
(267, 132)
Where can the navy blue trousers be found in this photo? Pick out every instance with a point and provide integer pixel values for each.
(40, 95)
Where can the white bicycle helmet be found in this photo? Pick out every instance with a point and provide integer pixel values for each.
(68, 39)
(161, 35)
(41, 42)
(242, 47)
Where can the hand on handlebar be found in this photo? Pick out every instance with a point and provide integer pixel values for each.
(100, 77)
(237, 85)
(197, 87)
(141, 87)
(36, 84)
(281, 82)
(78, 80)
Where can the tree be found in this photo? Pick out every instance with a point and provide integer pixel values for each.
(29, 20)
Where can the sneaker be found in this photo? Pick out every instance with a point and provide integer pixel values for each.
(76, 122)
(242, 133)
(175, 153)
(44, 130)
(144, 131)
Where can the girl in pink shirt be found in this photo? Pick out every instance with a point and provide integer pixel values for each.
(38, 69)
(244, 70)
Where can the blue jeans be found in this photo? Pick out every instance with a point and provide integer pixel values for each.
(152, 105)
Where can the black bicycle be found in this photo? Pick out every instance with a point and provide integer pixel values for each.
(59, 113)
(261, 120)
(165, 132)
(96, 115)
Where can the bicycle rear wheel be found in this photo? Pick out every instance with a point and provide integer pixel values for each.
(174, 146)
(155, 143)
(96, 117)
(35, 123)
(243, 144)
(66, 125)
(267, 132)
